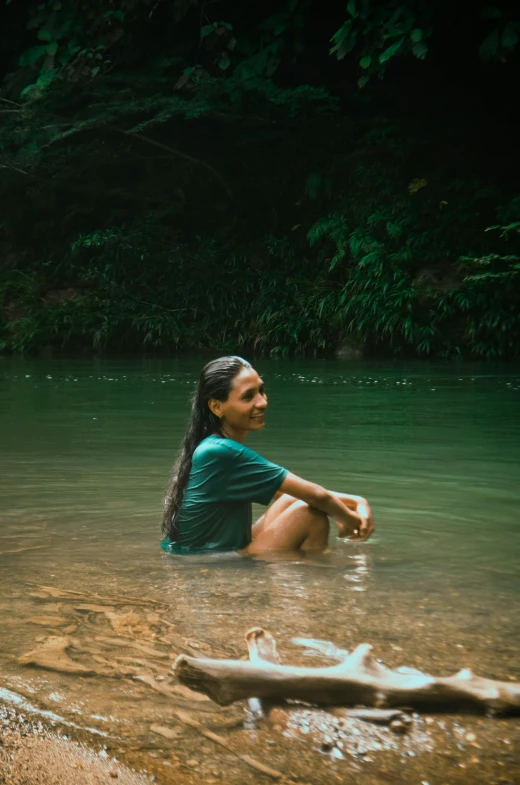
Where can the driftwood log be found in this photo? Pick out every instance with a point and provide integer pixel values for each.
(359, 680)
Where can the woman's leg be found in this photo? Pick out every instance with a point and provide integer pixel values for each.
(272, 513)
(296, 527)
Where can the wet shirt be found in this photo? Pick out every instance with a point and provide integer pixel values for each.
(216, 513)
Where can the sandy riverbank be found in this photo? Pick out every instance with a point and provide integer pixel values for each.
(481, 750)
(31, 755)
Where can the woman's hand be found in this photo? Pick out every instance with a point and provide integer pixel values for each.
(367, 522)
(359, 507)
(351, 529)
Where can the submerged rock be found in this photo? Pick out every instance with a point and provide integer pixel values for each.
(52, 655)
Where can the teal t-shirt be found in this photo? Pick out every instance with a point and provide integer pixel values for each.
(225, 479)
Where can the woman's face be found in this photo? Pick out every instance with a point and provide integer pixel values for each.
(245, 407)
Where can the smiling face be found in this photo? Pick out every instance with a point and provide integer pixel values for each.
(245, 407)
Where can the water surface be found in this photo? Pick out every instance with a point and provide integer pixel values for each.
(86, 449)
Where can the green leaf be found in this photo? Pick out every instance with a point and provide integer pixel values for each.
(395, 16)
(119, 15)
(365, 61)
(35, 90)
(390, 51)
(351, 8)
(44, 35)
(344, 41)
(95, 71)
(26, 92)
(396, 31)
(491, 12)
(224, 63)
(509, 37)
(30, 56)
(489, 46)
(206, 30)
(420, 49)
(362, 81)
(245, 71)
(62, 30)
(52, 48)
(416, 35)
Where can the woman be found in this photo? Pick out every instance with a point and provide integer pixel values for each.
(216, 478)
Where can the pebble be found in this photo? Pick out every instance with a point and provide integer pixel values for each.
(398, 726)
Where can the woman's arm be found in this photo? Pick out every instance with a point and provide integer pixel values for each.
(349, 521)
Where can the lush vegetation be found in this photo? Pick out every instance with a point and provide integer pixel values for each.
(182, 175)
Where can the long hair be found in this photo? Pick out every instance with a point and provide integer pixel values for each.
(215, 381)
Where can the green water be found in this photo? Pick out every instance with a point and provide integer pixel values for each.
(86, 449)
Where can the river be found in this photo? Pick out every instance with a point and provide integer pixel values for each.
(86, 450)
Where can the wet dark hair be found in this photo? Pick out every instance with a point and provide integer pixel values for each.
(215, 381)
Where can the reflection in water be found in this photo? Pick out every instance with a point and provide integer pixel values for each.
(358, 576)
(86, 451)
(325, 648)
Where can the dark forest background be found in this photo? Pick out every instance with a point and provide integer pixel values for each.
(279, 177)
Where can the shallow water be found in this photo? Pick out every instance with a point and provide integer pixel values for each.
(86, 448)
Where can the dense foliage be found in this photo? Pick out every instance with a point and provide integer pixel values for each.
(276, 178)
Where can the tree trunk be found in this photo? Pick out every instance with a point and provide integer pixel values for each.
(359, 680)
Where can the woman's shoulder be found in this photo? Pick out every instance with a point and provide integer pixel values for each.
(219, 448)
(215, 447)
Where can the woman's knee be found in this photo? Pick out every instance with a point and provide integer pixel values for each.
(318, 521)
(321, 520)
(298, 504)
(318, 517)
(298, 526)
(317, 530)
